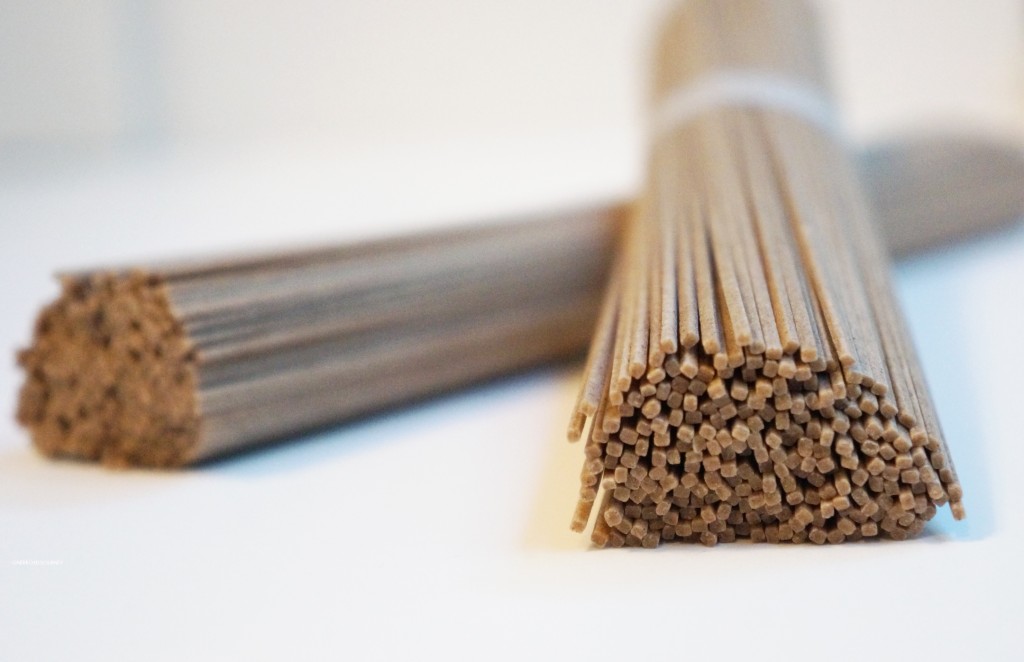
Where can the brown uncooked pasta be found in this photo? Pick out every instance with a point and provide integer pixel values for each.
(751, 376)
(170, 365)
(939, 189)
(166, 366)
(82, 400)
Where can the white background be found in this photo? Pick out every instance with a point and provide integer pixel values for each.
(131, 130)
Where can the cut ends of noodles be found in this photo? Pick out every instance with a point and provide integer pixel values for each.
(751, 376)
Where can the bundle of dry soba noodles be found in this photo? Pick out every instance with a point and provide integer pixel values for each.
(169, 365)
(751, 376)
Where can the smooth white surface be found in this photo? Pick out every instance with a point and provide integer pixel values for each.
(440, 531)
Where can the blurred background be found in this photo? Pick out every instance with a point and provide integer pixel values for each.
(96, 76)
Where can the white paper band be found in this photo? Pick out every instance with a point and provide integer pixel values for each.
(744, 88)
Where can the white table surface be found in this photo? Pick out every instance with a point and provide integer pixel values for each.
(441, 531)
